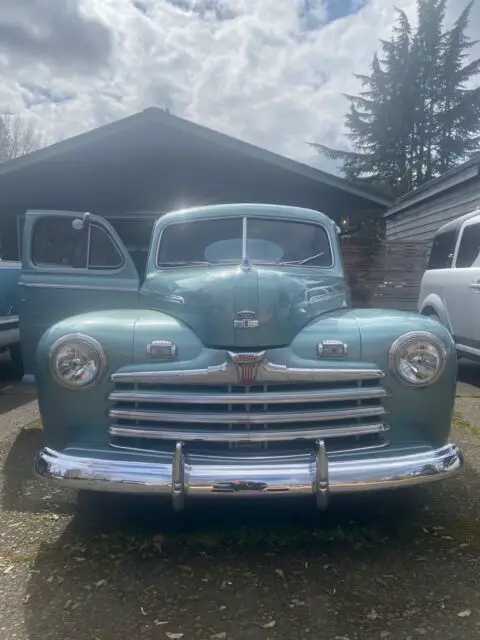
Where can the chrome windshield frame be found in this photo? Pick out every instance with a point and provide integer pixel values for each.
(245, 261)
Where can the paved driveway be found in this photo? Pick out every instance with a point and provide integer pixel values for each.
(393, 566)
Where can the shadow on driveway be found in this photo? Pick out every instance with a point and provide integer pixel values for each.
(12, 394)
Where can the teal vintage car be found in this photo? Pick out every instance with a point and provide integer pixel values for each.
(234, 366)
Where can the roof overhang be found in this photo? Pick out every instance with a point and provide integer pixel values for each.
(154, 161)
(456, 176)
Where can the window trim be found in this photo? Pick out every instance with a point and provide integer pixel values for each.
(61, 268)
(452, 253)
(465, 225)
(251, 217)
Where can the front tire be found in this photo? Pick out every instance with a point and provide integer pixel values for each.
(434, 316)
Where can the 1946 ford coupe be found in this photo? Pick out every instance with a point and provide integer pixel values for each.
(233, 366)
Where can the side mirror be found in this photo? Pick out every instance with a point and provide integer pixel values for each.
(79, 223)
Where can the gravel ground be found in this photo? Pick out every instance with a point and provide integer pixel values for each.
(401, 565)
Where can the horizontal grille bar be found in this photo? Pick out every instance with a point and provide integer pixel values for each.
(245, 417)
(287, 397)
(226, 373)
(269, 435)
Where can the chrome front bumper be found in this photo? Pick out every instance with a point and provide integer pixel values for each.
(314, 474)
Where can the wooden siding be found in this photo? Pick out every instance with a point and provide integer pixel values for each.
(420, 222)
(384, 274)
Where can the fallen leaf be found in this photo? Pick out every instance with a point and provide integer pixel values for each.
(298, 603)
(8, 569)
(373, 615)
(219, 636)
(160, 622)
(269, 625)
(174, 636)
(142, 611)
(464, 614)
(280, 573)
(101, 583)
(385, 634)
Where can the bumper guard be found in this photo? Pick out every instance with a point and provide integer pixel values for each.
(315, 474)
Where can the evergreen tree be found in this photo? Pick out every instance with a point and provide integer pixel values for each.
(415, 117)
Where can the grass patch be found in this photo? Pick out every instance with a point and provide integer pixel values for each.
(33, 425)
(460, 423)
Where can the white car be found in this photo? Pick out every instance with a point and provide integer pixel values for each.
(450, 288)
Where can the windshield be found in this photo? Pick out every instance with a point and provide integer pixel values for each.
(268, 241)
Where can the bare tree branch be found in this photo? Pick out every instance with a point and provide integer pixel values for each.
(18, 137)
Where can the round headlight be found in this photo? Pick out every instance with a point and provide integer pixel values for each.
(417, 358)
(77, 361)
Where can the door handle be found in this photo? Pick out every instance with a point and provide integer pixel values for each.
(475, 286)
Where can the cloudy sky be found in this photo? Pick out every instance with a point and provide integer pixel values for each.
(271, 72)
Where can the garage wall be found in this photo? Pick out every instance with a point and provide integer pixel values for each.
(418, 223)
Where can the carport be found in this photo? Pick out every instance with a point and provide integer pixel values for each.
(153, 162)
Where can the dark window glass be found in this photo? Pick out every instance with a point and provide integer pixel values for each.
(135, 236)
(57, 243)
(268, 241)
(469, 249)
(9, 239)
(103, 252)
(442, 250)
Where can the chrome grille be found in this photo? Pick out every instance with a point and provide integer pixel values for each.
(145, 413)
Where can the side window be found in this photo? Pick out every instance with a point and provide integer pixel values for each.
(103, 253)
(469, 249)
(442, 250)
(57, 244)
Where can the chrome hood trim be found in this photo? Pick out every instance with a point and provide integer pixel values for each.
(267, 372)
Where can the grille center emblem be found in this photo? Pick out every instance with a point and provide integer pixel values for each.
(246, 320)
(246, 365)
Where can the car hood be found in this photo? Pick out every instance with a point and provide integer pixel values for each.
(227, 306)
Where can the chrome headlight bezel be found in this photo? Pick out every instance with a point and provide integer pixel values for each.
(85, 340)
(406, 340)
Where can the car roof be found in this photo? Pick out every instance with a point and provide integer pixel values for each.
(247, 209)
(453, 225)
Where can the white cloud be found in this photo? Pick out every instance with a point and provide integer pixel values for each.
(254, 69)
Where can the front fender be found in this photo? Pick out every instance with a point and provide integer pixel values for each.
(425, 411)
(83, 415)
(433, 303)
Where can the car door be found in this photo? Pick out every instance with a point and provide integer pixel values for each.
(71, 263)
(463, 291)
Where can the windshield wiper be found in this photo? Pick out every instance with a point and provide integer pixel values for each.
(183, 263)
(304, 260)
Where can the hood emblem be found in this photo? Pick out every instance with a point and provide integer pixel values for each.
(246, 320)
(246, 365)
